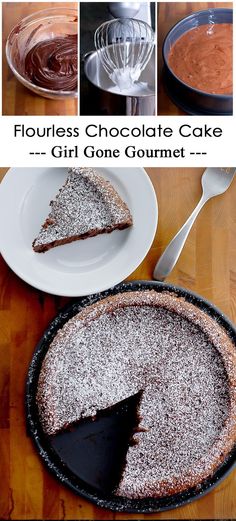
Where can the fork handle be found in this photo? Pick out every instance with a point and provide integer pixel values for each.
(171, 254)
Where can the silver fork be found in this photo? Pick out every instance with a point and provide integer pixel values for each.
(215, 181)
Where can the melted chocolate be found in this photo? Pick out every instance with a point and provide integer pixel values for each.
(52, 64)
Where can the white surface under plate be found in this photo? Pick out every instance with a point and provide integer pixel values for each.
(82, 267)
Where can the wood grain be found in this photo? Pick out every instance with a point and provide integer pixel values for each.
(17, 99)
(169, 13)
(207, 266)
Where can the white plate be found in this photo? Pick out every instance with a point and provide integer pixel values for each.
(82, 267)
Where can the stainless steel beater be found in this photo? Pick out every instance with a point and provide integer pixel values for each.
(124, 46)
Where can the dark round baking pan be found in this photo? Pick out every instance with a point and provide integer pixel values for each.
(86, 457)
(189, 99)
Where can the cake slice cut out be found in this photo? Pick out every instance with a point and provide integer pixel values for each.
(85, 206)
(95, 448)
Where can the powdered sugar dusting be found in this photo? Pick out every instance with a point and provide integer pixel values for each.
(85, 204)
(178, 356)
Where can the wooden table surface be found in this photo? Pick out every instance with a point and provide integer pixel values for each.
(17, 99)
(169, 13)
(207, 266)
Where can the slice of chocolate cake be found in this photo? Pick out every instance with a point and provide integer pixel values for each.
(180, 361)
(85, 206)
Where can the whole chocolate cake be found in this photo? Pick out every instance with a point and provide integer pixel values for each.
(86, 205)
(181, 362)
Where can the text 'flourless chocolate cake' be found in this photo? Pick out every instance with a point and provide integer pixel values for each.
(180, 360)
(86, 205)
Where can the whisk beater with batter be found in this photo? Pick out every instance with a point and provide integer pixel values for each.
(124, 46)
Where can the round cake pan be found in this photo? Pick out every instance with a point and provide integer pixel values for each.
(85, 467)
(189, 99)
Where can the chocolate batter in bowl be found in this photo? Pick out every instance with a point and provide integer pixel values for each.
(42, 52)
(198, 61)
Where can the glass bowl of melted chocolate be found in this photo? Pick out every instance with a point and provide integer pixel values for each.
(42, 52)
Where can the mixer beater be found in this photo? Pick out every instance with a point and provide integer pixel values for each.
(124, 46)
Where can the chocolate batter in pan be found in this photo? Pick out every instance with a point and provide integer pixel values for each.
(203, 58)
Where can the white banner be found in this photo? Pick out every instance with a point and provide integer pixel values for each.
(121, 141)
